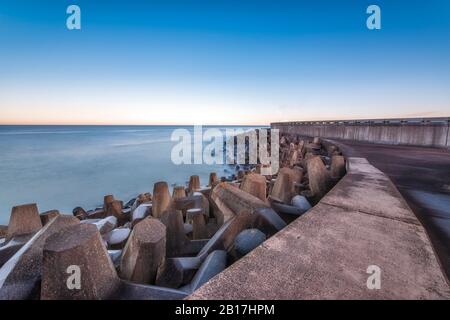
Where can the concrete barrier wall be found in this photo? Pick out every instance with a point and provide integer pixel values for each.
(432, 132)
(362, 223)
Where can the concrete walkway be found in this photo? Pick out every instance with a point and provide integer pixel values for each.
(422, 175)
(363, 221)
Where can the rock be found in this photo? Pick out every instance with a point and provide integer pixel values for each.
(301, 202)
(248, 240)
(79, 212)
(161, 198)
(284, 188)
(24, 219)
(337, 166)
(96, 214)
(48, 215)
(194, 183)
(78, 248)
(319, 177)
(316, 140)
(20, 276)
(106, 225)
(176, 272)
(130, 203)
(141, 212)
(178, 192)
(144, 252)
(215, 263)
(176, 238)
(117, 238)
(255, 184)
(212, 179)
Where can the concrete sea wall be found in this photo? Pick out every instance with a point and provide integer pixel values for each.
(325, 254)
(420, 132)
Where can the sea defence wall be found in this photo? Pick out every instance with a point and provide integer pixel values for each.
(432, 132)
(361, 224)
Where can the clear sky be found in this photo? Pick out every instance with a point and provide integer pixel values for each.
(222, 61)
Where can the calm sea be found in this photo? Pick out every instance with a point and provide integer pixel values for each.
(61, 167)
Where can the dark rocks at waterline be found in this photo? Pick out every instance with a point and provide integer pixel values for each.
(79, 212)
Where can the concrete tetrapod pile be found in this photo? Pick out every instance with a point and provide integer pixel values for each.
(160, 245)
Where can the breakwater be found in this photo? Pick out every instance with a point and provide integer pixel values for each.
(162, 245)
(433, 132)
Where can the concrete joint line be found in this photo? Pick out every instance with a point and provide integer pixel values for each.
(372, 214)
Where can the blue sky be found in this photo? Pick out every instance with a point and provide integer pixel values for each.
(222, 62)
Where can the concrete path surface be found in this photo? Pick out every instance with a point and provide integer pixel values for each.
(422, 175)
(362, 223)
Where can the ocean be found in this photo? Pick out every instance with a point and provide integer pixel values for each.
(62, 167)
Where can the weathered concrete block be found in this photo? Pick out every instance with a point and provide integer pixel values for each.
(115, 208)
(255, 184)
(3, 231)
(175, 233)
(117, 238)
(115, 256)
(11, 246)
(319, 177)
(337, 166)
(284, 188)
(48, 215)
(106, 225)
(247, 240)
(215, 263)
(77, 249)
(141, 198)
(161, 198)
(20, 276)
(199, 230)
(231, 201)
(176, 272)
(301, 202)
(178, 192)
(144, 252)
(24, 219)
(212, 179)
(194, 183)
(141, 212)
(107, 200)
